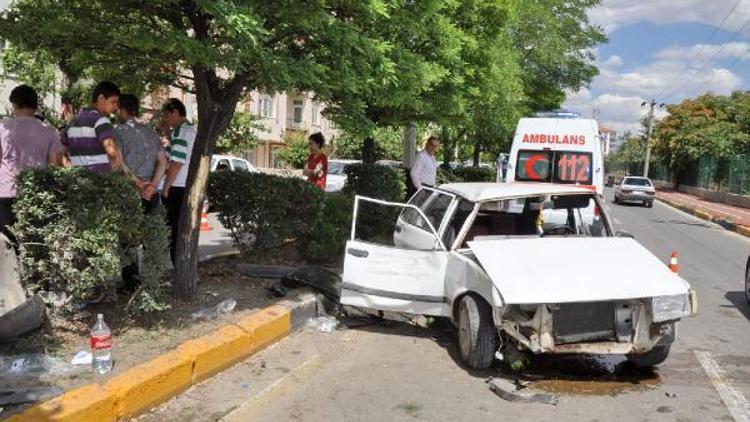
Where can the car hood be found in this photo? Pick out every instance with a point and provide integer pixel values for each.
(563, 270)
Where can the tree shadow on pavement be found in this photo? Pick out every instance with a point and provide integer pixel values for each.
(739, 302)
(688, 223)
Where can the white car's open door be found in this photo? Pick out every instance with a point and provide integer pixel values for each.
(388, 278)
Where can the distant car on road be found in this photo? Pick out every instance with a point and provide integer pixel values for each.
(336, 178)
(228, 162)
(635, 189)
(485, 256)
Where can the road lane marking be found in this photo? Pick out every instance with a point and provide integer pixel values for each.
(733, 399)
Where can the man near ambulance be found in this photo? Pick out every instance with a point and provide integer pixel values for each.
(424, 170)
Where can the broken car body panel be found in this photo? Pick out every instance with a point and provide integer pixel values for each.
(562, 270)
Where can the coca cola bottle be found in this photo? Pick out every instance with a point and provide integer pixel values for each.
(101, 346)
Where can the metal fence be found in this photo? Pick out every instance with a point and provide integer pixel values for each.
(724, 174)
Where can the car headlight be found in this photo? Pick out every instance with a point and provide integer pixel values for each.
(666, 308)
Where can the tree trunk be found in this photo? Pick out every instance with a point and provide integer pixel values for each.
(446, 147)
(368, 150)
(477, 151)
(213, 117)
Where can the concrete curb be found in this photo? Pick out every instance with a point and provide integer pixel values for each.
(704, 215)
(147, 385)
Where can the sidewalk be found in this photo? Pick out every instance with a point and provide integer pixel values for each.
(732, 218)
(214, 241)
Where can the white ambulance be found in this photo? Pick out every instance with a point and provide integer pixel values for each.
(560, 148)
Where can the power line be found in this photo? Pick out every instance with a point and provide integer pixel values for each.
(687, 66)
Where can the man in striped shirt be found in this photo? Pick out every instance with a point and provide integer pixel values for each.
(181, 148)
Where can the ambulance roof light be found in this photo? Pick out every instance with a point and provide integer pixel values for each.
(559, 114)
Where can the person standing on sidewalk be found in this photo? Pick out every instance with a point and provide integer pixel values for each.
(424, 170)
(316, 167)
(144, 156)
(181, 148)
(25, 142)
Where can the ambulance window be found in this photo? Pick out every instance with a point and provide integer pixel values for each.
(534, 166)
(573, 167)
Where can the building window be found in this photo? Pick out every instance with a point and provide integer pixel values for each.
(315, 113)
(297, 111)
(265, 106)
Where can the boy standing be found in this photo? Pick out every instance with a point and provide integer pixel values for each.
(181, 148)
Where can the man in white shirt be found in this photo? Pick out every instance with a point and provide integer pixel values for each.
(424, 169)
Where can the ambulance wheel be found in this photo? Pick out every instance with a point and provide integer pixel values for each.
(653, 357)
(477, 339)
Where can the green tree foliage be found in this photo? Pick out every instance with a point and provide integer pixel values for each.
(388, 147)
(31, 67)
(296, 151)
(217, 49)
(241, 135)
(707, 126)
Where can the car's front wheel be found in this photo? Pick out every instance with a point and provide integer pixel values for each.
(653, 357)
(477, 338)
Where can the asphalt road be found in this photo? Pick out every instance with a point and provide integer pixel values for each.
(399, 371)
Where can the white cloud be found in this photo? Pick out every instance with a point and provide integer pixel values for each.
(613, 61)
(704, 53)
(612, 14)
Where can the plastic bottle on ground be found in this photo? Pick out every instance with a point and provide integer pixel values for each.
(101, 346)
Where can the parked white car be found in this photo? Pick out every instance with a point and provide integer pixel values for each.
(227, 162)
(482, 255)
(336, 178)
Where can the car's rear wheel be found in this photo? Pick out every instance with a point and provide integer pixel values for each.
(617, 200)
(477, 338)
(747, 287)
(653, 357)
(649, 204)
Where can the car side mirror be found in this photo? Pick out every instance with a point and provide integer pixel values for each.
(624, 233)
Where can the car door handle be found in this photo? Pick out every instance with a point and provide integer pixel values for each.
(358, 253)
(398, 229)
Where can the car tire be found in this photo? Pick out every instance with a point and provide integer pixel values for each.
(617, 200)
(747, 287)
(477, 338)
(649, 204)
(653, 357)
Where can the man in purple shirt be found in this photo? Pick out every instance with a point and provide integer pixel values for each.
(25, 142)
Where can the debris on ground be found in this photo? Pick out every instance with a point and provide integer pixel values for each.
(326, 324)
(29, 395)
(224, 307)
(507, 390)
(278, 289)
(84, 357)
(27, 316)
(33, 365)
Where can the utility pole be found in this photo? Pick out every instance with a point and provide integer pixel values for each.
(651, 106)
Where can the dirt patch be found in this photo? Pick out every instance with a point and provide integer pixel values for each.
(588, 375)
(137, 340)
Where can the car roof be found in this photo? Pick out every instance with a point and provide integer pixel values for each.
(487, 191)
(344, 160)
(637, 177)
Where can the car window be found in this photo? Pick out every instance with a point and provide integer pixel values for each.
(240, 165)
(435, 210)
(462, 212)
(410, 215)
(336, 167)
(632, 181)
(223, 164)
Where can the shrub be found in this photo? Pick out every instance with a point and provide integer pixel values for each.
(380, 182)
(264, 211)
(294, 154)
(475, 174)
(77, 229)
(327, 241)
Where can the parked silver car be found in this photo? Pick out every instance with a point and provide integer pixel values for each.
(635, 189)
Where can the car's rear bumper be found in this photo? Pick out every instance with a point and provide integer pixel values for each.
(636, 196)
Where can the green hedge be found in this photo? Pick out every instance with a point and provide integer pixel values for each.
(380, 182)
(327, 241)
(263, 211)
(77, 229)
(466, 174)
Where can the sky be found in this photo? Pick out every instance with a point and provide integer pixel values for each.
(665, 50)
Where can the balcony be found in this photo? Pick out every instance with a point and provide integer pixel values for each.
(297, 125)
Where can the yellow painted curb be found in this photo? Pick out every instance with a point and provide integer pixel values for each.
(147, 385)
(90, 403)
(154, 382)
(743, 230)
(704, 215)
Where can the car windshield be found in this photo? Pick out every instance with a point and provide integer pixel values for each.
(633, 181)
(336, 167)
(537, 216)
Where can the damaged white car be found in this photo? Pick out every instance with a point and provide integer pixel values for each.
(517, 265)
